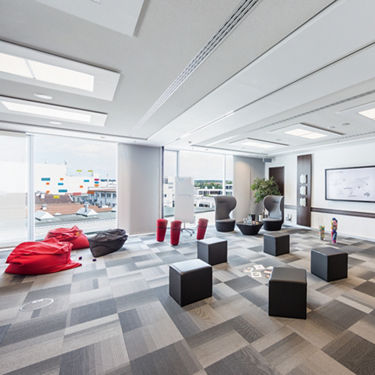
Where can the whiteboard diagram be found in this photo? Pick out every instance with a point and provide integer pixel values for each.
(351, 184)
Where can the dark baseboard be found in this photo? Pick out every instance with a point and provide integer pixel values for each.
(369, 215)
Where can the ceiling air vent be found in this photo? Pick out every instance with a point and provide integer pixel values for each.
(238, 15)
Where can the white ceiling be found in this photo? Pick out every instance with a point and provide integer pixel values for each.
(287, 62)
(120, 16)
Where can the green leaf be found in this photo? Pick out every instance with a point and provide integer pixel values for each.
(263, 187)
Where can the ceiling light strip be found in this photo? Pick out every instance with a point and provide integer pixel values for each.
(202, 55)
(51, 130)
(234, 151)
(318, 109)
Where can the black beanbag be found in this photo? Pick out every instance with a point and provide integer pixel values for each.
(107, 242)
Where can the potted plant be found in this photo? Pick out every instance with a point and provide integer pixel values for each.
(263, 187)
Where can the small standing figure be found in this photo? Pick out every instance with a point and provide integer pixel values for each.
(322, 229)
(334, 230)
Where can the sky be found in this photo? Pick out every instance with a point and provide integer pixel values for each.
(79, 154)
(199, 165)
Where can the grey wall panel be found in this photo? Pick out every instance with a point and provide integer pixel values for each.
(245, 170)
(139, 188)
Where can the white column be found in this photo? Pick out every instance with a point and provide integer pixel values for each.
(30, 189)
(139, 188)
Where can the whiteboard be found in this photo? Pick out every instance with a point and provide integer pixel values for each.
(351, 184)
(184, 199)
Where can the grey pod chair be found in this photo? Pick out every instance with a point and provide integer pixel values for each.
(224, 205)
(275, 206)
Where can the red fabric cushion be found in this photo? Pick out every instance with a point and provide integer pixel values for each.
(73, 235)
(81, 242)
(33, 258)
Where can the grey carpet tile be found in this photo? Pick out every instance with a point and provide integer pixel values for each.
(236, 260)
(242, 283)
(135, 299)
(257, 295)
(247, 330)
(245, 361)
(3, 332)
(340, 313)
(365, 328)
(50, 366)
(173, 359)
(79, 361)
(368, 287)
(92, 311)
(185, 324)
(54, 292)
(354, 352)
(115, 315)
(129, 320)
(88, 275)
(35, 327)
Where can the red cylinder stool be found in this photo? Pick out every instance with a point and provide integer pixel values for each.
(161, 228)
(202, 226)
(175, 232)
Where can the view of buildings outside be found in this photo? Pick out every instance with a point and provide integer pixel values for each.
(75, 184)
(209, 171)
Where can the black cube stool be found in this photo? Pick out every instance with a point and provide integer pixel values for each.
(190, 281)
(287, 293)
(276, 243)
(213, 250)
(329, 263)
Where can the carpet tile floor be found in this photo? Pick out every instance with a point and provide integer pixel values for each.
(115, 315)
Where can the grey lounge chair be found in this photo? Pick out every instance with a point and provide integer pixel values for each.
(275, 207)
(224, 205)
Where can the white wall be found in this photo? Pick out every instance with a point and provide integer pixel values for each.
(139, 188)
(349, 155)
(245, 170)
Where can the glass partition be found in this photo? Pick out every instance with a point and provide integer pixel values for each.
(75, 184)
(207, 171)
(13, 188)
(170, 172)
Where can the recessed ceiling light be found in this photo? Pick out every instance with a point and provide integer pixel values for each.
(258, 144)
(14, 65)
(188, 134)
(47, 112)
(220, 140)
(42, 96)
(55, 122)
(369, 113)
(61, 76)
(46, 72)
(305, 133)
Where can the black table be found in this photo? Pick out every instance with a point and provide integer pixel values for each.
(249, 229)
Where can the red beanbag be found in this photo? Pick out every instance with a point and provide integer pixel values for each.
(73, 235)
(34, 258)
